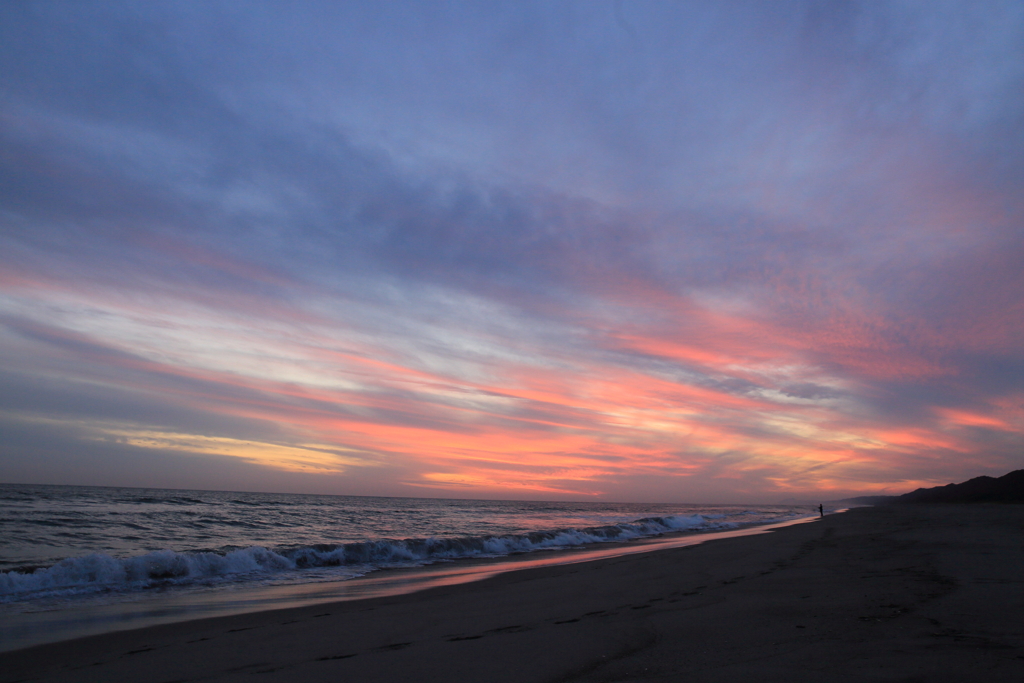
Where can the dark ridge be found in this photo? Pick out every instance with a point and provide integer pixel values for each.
(1008, 488)
(866, 500)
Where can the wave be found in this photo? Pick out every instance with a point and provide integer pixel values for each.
(100, 572)
(166, 500)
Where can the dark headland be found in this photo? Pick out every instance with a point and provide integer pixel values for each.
(909, 593)
(1008, 488)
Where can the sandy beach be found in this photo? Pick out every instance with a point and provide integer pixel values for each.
(897, 593)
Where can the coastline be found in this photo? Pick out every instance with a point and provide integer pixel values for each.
(895, 593)
(29, 625)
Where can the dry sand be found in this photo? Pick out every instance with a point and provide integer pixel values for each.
(901, 593)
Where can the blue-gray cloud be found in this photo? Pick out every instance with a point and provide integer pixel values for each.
(846, 177)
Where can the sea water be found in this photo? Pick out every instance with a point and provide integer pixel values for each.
(75, 547)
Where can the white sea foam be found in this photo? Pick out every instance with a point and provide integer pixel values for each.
(101, 572)
(233, 538)
(98, 571)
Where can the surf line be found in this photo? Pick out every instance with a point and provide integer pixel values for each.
(35, 628)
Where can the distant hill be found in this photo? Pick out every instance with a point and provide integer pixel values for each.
(866, 500)
(1008, 488)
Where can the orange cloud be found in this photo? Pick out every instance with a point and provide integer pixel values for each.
(706, 400)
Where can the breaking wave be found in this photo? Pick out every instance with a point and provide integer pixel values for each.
(99, 572)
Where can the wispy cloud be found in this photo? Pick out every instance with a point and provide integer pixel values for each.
(677, 252)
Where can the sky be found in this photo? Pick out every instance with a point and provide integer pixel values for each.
(633, 251)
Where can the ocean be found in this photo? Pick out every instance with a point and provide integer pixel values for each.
(82, 550)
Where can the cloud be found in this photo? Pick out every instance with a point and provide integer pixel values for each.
(542, 250)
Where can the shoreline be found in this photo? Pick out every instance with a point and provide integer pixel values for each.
(97, 615)
(898, 593)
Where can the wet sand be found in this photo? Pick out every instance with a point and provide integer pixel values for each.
(902, 593)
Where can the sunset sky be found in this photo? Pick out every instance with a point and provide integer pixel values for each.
(638, 251)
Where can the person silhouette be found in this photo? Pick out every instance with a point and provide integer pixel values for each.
(821, 509)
